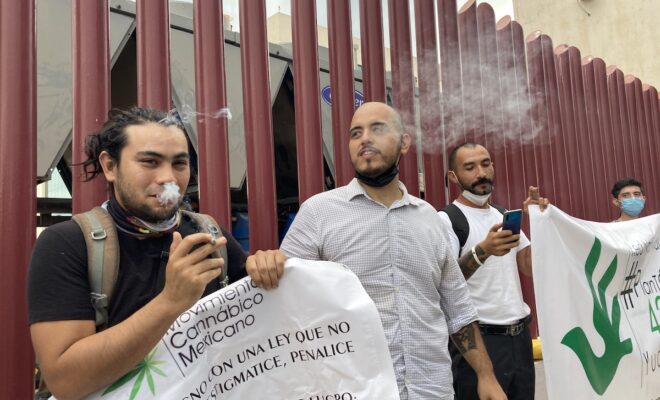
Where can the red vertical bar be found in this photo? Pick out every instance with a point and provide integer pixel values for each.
(655, 119)
(646, 156)
(526, 128)
(210, 97)
(527, 132)
(635, 139)
(528, 151)
(450, 68)
(453, 121)
(584, 140)
(615, 122)
(341, 82)
(619, 118)
(558, 148)
(307, 99)
(473, 108)
(18, 139)
(433, 142)
(492, 92)
(153, 54)
(655, 101)
(610, 153)
(402, 87)
(511, 85)
(571, 134)
(652, 198)
(91, 93)
(534, 105)
(373, 67)
(258, 122)
(540, 128)
(597, 139)
(654, 111)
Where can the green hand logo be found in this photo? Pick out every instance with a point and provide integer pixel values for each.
(600, 370)
(142, 370)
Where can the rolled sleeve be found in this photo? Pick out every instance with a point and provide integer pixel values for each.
(455, 297)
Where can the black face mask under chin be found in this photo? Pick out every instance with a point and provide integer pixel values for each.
(381, 180)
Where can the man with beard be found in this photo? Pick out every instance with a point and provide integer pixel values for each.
(393, 242)
(141, 152)
(490, 259)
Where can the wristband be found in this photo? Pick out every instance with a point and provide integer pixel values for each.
(474, 255)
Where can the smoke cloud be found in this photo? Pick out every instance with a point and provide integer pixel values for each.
(489, 104)
(187, 115)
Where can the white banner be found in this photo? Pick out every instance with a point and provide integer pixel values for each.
(598, 300)
(317, 336)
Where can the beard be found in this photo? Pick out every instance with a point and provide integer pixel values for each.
(129, 200)
(472, 188)
(388, 163)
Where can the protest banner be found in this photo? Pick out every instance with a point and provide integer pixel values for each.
(318, 336)
(598, 300)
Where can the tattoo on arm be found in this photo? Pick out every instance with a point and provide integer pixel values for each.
(465, 339)
(468, 264)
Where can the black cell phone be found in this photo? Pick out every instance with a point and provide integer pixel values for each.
(512, 220)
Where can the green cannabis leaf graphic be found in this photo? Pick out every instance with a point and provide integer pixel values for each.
(600, 370)
(142, 370)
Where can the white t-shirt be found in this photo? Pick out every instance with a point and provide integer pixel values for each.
(495, 286)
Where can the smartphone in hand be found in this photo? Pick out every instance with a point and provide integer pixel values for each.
(511, 221)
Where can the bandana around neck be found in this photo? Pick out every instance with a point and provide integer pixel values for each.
(136, 227)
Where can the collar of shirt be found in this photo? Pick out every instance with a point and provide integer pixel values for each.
(355, 189)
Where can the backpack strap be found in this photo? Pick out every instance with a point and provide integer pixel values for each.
(459, 222)
(501, 209)
(102, 259)
(207, 224)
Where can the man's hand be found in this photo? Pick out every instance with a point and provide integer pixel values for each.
(497, 242)
(489, 389)
(266, 267)
(190, 269)
(533, 197)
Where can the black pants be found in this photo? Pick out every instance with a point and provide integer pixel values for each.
(513, 362)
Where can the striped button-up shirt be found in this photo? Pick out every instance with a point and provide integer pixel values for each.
(401, 257)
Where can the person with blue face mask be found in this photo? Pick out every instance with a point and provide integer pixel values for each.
(628, 197)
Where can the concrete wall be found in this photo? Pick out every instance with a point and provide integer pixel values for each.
(622, 32)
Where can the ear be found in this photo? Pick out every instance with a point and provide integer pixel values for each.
(452, 176)
(406, 141)
(109, 166)
(616, 203)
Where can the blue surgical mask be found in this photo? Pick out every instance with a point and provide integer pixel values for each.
(632, 206)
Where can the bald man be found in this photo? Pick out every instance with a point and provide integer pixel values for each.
(394, 243)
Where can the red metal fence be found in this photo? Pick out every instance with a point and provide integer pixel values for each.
(549, 116)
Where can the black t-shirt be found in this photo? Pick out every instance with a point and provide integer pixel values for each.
(58, 280)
